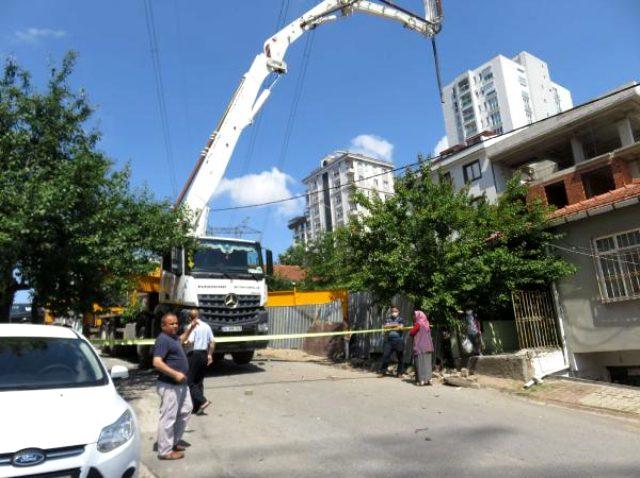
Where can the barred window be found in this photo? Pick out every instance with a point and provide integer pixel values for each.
(618, 265)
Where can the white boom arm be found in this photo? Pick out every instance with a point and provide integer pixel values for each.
(250, 95)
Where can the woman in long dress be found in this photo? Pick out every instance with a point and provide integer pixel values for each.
(422, 347)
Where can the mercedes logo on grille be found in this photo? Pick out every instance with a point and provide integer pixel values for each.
(231, 301)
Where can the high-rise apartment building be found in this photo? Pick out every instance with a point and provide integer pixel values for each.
(501, 95)
(329, 200)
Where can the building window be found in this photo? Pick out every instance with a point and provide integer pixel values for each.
(522, 80)
(598, 182)
(556, 195)
(495, 119)
(471, 171)
(465, 100)
(492, 103)
(618, 265)
(446, 178)
(468, 114)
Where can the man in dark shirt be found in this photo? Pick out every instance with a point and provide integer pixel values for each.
(171, 361)
(393, 342)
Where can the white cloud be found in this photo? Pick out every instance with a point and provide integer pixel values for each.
(260, 188)
(441, 145)
(33, 35)
(371, 145)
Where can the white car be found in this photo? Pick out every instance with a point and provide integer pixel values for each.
(60, 414)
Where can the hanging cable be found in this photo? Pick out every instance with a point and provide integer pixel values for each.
(244, 168)
(297, 94)
(162, 107)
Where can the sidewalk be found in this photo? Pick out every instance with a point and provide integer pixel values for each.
(601, 397)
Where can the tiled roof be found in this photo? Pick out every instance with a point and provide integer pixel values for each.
(293, 273)
(628, 191)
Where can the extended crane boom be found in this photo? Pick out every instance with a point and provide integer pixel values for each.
(250, 94)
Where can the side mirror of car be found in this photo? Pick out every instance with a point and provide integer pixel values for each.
(119, 372)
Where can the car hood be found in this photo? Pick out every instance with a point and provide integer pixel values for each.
(56, 418)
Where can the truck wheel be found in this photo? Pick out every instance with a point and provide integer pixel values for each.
(242, 358)
(218, 357)
(143, 351)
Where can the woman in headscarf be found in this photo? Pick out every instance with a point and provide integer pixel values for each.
(422, 347)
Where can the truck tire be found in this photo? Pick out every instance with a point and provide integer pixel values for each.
(143, 351)
(242, 358)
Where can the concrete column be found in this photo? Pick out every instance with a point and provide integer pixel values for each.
(625, 131)
(577, 150)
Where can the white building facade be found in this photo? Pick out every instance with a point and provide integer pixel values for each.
(501, 95)
(329, 199)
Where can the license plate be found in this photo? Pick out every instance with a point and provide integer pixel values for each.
(232, 328)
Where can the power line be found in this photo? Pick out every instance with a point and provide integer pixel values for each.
(419, 162)
(297, 94)
(607, 257)
(282, 16)
(162, 107)
(298, 196)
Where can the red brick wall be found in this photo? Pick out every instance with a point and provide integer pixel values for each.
(574, 187)
(536, 192)
(621, 172)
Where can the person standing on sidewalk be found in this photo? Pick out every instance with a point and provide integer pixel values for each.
(175, 402)
(200, 355)
(474, 331)
(393, 342)
(422, 347)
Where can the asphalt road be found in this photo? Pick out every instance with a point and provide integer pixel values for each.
(300, 419)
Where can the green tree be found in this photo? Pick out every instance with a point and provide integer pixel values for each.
(71, 227)
(293, 256)
(327, 262)
(448, 251)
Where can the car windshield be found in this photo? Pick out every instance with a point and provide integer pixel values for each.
(29, 363)
(213, 256)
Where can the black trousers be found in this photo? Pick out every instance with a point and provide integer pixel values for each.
(390, 346)
(197, 370)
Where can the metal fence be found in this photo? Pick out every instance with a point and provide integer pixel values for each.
(535, 319)
(298, 320)
(365, 313)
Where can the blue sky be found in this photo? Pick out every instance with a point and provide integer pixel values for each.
(365, 76)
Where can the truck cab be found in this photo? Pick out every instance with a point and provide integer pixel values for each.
(225, 279)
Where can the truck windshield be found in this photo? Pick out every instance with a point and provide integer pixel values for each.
(219, 256)
(30, 363)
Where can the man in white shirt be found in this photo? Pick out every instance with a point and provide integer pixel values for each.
(201, 345)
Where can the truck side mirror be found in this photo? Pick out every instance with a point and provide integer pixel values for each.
(177, 261)
(269, 255)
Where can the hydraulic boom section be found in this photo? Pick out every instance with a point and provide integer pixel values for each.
(250, 94)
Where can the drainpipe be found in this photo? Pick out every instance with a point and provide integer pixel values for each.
(559, 314)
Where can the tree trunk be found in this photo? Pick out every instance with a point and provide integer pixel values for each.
(36, 316)
(7, 293)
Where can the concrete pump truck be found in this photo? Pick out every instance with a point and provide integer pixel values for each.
(225, 278)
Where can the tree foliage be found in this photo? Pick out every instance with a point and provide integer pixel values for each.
(71, 227)
(293, 256)
(448, 251)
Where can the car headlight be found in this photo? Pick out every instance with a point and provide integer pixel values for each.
(116, 434)
(263, 327)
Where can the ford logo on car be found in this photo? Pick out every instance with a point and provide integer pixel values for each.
(28, 457)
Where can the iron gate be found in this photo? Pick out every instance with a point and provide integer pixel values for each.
(535, 319)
